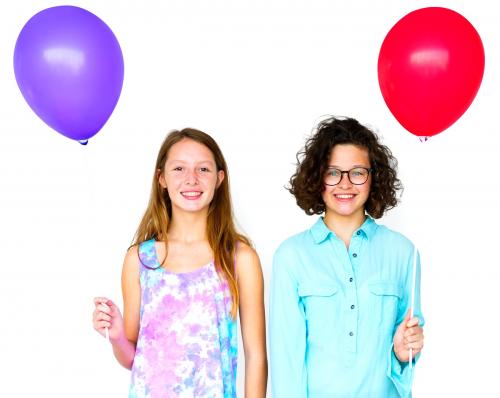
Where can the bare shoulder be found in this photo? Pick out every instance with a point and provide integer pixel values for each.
(131, 261)
(131, 280)
(247, 260)
(245, 254)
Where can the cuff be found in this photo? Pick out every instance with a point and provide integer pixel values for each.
(400, 373)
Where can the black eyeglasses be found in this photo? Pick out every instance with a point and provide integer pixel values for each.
(357, 175)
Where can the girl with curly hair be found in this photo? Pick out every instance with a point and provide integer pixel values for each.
(340, 323)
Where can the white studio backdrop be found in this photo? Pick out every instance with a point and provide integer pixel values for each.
(255, 75)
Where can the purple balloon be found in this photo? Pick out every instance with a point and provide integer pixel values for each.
(69, 67)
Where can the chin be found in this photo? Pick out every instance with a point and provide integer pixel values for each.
(191, 208)
(194, 209)
(345, 212)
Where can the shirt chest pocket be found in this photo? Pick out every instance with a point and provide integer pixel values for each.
(387, 296)
(321, 304)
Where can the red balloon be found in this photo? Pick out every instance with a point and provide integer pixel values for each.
(430, 67)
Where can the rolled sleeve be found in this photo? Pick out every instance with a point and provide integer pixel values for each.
(400, 373)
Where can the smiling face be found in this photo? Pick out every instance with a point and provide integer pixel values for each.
(346, 199)
(190, 176)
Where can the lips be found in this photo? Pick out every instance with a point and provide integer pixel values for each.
(191, 195)
(344, 197)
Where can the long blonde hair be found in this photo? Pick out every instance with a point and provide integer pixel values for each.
(221, 230)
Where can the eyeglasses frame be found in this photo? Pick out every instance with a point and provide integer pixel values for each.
(342, 172)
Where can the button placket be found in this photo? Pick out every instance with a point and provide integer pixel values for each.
(352, 295)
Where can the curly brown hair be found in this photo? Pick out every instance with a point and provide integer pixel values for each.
(307, 182)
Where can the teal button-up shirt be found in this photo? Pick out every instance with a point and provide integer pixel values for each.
(334, 311)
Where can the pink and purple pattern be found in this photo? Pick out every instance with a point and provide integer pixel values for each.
(187, 344)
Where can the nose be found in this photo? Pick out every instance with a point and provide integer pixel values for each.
(345, 182)
(191, 177)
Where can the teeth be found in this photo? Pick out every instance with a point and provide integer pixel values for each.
(191, 193)
(344, 196)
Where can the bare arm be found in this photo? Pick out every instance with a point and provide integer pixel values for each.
(123, 331)
(124, 345)
(252, 320)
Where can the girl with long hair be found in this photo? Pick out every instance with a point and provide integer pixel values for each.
(185, 278)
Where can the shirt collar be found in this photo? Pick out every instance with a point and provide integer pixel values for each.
(321, 232)
(368, 227)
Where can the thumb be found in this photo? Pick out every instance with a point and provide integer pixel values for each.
(113, 307)
(406, 319)
(407, 316)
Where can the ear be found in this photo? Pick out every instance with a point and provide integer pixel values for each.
(220, 177)
(161, 178)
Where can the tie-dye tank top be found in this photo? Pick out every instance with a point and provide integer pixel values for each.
(187, 344)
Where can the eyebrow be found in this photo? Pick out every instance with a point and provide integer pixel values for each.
(333, 166)
(183, 161)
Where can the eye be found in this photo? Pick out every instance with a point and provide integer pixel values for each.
(178, 168)
(359, 172)
(204, 169)
(333, 172)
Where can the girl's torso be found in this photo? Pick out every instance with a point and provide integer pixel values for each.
(187, 343)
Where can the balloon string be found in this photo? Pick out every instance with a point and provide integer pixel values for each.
(90, 193)
(90, 196)
(414, 277)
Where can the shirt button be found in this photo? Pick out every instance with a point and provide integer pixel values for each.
(351, 334)
(350, 279)
(352, 307)
(354, 255)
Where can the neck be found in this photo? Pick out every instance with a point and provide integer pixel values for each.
(188, 227)
(344, 226)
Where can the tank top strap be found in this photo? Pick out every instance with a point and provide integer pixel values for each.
(147, 254)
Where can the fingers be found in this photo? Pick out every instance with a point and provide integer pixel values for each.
(99, 316)
(417, 344)
(416, 348)
(104, 300)
(412, 322)
(101, 327)
(106, 305)
(414, 338)
(403, 353)
(100, 311)
(102, 314)
(99, 300)
(103, 308)
(415, 330)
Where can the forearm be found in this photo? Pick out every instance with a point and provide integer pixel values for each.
(124, 351)
(255, 375)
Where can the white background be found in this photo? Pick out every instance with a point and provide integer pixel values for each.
(255, 75)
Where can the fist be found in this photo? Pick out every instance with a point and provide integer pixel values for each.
(106, 315)
(408, 335)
